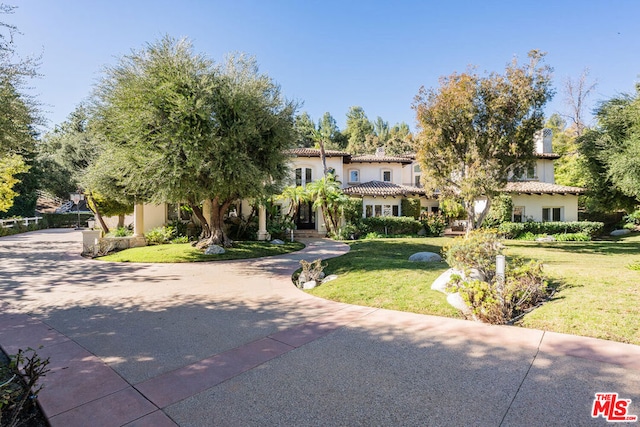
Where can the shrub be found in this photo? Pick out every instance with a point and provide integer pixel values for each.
(180, 239)
(160, 235)
(392, 225)
(572, 237)
(434, 223)
(633, 218)
(476, 250)
(122, 232)
(410, 207)
(279, 227)
(524, 288)
(500, 211)
(352, 210)
(511, 230)
(25, 371)
(373, 235)
(492, 298)
(347, 232)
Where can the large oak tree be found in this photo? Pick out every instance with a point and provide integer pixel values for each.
(183, 129)
(474, 131)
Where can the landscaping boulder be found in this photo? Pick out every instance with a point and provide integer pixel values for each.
(277, 242)
(329, 278)
(620, 232)
(214, 250)
(440, 284)
(310, 284)
(306, 277)
(422, 232)
(425, 257)
(456, 301)
(546, 239)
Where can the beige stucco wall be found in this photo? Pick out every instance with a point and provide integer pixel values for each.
(317, 169)
(533, 205)
(154, 216)
(373, 171)
(544, 171)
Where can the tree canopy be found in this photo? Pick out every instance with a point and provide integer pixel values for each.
(183, 129)
(474, 131)
(611, 153)
(19, 112)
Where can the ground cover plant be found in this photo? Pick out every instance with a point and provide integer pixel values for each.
(184, 252)
(598, 285)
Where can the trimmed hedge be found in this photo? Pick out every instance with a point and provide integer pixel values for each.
(66, 220)
(392, 225)
(512, 230)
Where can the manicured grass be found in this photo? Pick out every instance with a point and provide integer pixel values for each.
(184, 252)
(599, 291)
(376, 273)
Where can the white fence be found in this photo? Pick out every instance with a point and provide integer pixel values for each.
(9, 223)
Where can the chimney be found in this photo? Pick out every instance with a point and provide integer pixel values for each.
(543, 139)
(380, 152)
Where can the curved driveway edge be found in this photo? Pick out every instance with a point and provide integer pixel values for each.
(235, 343)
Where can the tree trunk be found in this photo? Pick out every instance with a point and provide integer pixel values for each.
(483, 214)
(120, 220)
(94, 207)
(206, 231)
(216, 225)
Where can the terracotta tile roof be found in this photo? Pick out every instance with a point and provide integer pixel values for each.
(372, 158)
(315, 152)
(535, 187)
(378, 188)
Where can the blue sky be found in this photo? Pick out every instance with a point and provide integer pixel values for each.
(331, 55)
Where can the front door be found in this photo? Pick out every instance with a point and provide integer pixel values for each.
(306, 217)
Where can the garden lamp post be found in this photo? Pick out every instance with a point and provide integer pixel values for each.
(75, 198)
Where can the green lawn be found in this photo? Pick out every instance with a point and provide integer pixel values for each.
(376, 273)
(599, 293)
(184, 252)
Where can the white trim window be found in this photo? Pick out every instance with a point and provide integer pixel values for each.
(303, 176)
(518, 214)
(555, 214)
(354, 175)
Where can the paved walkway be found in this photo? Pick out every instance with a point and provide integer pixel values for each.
(235, 343)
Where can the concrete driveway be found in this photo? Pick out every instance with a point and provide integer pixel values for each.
(235, 343)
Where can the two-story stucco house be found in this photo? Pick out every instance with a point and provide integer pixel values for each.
(383, 181)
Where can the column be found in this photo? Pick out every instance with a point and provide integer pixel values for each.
(262, 223)
(138, 220)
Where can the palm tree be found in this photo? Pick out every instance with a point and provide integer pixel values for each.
(295, 195)
(327, 195)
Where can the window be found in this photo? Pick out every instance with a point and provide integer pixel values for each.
(178, 212)
(386, 175)
(303, 176)
(416, 169)
(417, 181)
(354, 175)
(518, 214)
(381, 210)
(551, 214)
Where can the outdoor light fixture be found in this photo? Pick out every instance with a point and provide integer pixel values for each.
(76, 198)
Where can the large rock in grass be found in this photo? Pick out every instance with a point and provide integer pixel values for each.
(620, 232)
(277, 242)
(425, 257)
(214, 250)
